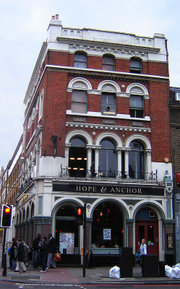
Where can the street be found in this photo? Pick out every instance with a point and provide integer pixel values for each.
(14, 285)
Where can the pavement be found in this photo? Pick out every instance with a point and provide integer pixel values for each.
(76, 275)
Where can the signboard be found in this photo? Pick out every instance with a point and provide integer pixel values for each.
(66, 243)
(106, 234)
(109, 189)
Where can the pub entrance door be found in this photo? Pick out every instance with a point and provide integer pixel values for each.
(147, 228)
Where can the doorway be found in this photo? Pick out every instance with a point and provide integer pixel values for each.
(147, 228)
(107, 226)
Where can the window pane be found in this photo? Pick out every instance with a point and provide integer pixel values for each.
(108, 62)
(139, 113)
(78, 107)
(136, 101)
(77, 142)
(136, 161)
(40, 205)
(136, 106)
(135, 65)
(80, 57)
(108, 103)
(79, 101)
(107, 159)
(151, 234)
(80, 60)
(79, 96)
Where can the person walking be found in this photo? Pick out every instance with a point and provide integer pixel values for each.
(20, 257)
(43, 254)
(35, 247)
(51, 249)
(13, 253)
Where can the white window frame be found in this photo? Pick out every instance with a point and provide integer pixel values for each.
(177, 96)
(41, 100)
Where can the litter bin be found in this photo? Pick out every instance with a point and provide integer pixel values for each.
(150, 265)
(162, 269)
(126, 261)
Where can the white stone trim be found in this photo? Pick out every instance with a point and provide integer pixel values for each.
(142, 138)
(140, 87)
(79, 83)
(99, 114)
(108, 86)
(77, 133)
(111, 135)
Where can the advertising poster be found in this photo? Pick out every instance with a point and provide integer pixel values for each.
(66, 243)
(106, 234)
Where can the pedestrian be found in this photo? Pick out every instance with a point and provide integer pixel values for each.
(43, 254)
(143, 249)
(51, 249)
(20, 256)
(13, 253)
(36, 247)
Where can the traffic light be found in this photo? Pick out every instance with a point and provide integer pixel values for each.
(6, 216)
(79, 216)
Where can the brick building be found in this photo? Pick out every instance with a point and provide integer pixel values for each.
(96, 132)
(174, 108)
(10, 186)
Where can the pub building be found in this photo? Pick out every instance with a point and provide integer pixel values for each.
(96, 135)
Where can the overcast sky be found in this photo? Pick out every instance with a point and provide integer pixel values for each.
(23, 28)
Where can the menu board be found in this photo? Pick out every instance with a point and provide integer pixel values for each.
(66, 243)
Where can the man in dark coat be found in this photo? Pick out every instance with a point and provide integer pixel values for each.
(36, 247)
(20, 256)
(43, 254)
(51, 249)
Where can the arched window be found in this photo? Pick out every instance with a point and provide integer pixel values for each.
(108, 62)
(79, 101)
(80, 59)
(77, 157)
(107, 159)
(136, 160)
(136, 105)
(135, 65)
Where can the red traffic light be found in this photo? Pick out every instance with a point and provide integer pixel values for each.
(79, 211)
(7, 210)
(6, 215)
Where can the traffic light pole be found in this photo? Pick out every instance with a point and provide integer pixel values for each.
(84, 241)
(4, 272)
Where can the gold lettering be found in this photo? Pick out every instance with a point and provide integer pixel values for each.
(78, 188)
(128, 190)
(91, 189)
(112, 190)
(139, 191)
(84, 188)
(103, 189)
(118, 189)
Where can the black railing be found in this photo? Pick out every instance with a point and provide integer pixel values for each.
(100, 174)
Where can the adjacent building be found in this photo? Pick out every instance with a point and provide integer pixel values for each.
(10, 186)
(174, 109)
(96, 133)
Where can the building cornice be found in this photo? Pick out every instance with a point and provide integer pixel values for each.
(109, 127)
(119, 75)
(103, 45)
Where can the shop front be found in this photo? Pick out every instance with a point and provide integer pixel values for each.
(116, 217)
